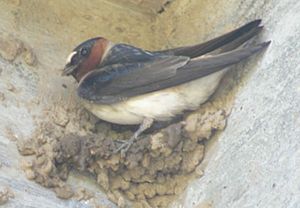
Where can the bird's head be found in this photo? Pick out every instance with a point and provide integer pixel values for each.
(85, 57)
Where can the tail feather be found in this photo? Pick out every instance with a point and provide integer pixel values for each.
(239, 41)
(238, 36)
(204, 66)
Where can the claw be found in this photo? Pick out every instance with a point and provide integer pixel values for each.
(147, 122)
(120, 141)
(125, 146)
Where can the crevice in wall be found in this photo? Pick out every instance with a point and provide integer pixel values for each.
(164, 6)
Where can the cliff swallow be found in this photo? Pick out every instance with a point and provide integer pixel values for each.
(127, 85)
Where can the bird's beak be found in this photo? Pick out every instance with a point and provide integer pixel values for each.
(69, 69)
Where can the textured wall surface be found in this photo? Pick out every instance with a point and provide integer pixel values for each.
(47, 31)
(253, 163)
(149, 7)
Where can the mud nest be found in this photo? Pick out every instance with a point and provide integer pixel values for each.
(155, 169)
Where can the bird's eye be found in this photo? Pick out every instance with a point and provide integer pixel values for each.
(84, 52)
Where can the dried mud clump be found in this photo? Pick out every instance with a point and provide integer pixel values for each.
(5, 194)
(155, 169)
(11, 48)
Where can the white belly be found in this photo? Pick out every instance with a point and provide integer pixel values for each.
(160, 105)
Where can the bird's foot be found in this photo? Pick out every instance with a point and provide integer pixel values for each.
(125, 146)
(147, 122)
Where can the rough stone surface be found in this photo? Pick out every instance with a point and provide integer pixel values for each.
(255, 161)
(149, 7)
(35, 38)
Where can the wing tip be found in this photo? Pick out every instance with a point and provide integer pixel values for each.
(250, 26)
(258, 47)
(258, 21)
(265, 44)
(255, 22)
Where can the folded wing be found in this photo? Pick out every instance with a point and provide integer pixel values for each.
(119, 82)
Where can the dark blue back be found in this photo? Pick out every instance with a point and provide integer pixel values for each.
(122, 53)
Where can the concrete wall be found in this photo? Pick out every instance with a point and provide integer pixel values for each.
(255, 161)
(35, 38)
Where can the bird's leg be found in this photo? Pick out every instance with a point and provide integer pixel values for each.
(147, 122)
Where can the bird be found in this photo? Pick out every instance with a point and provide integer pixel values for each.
(127, 85)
